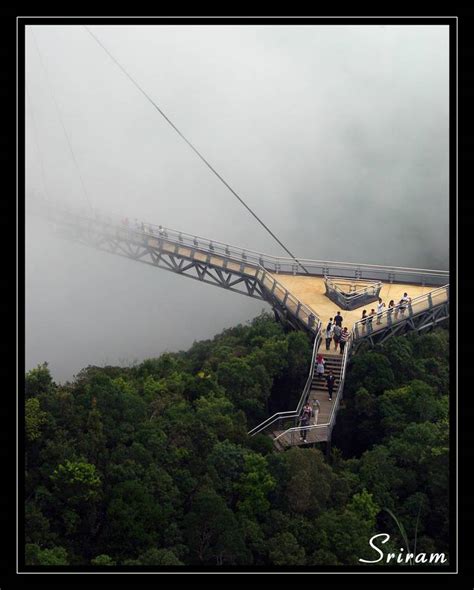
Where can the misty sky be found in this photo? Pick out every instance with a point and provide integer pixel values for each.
(337, 136)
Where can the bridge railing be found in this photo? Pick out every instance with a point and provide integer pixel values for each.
(358, 293)
(275, 290)
(394, 315)
(292, 414)
(358, 290)
(281, 264)
(285, 265)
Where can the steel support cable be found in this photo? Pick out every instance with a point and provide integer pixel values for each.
(62, 123)
(195, 150)
(36, 136)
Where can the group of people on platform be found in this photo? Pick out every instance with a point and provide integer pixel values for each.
(335, 331)
(399, 309)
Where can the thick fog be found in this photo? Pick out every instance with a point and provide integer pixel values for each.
(336, 136)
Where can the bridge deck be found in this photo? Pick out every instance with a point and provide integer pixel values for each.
(311, 291)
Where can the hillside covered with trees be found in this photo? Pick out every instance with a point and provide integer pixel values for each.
(152, 465)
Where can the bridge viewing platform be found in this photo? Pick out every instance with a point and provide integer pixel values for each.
(304, 294)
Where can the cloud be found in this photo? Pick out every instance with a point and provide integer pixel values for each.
(336, 136)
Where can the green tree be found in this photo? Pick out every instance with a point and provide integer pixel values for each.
(103, 560)
(372, 371)
(346, 534)
(76, 482)
(34, 555)
(212, 531)
(254, 485)
(34, 419)
(305, 482)
(38, 381)
(283, 549)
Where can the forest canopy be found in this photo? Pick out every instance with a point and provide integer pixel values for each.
(151, 464)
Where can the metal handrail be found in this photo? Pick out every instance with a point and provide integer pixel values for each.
(288, 296)
(358, 292)
(296, 412)
(367, 323)
(295, 429)
(278, 263)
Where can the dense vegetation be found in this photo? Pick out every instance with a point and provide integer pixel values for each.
(151, 464)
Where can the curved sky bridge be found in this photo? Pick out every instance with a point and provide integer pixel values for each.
(296, 290)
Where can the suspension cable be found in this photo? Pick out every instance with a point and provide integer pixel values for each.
(84, 189)
(195, 150)
(36, 139)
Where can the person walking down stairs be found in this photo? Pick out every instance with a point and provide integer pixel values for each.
(330, 383)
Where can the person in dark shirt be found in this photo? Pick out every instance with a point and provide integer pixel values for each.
(338, 319)
(330, 383)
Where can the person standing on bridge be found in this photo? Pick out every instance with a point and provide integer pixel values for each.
(337, 335)
(402, 305)
(330, 383)
(370, 318)
(344, 338)
(338, 319)
(380, 309)
(364, 318)
(329, 333)
(390, 309)
(320, 366)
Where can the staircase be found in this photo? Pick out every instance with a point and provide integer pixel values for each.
(319, 392)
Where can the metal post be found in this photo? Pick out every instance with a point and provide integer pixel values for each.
(430, 301)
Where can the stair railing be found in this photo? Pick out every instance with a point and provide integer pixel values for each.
(293, 414)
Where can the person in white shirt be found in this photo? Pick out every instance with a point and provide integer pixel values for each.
(380, 310)
(329, 333)
(403, 303)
